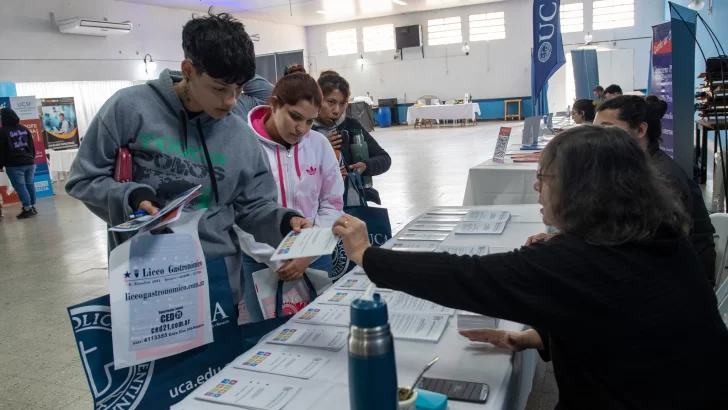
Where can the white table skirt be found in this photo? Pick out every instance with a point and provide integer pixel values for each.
(443, 112)
(60, 161)
(508, 375)
(491, 183)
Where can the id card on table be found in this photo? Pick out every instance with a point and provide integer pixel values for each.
(160, 301)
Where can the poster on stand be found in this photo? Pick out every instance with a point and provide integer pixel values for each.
(662, 80)
(60, 125)
(27, 110)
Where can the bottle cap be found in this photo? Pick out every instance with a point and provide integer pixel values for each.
(369, 313)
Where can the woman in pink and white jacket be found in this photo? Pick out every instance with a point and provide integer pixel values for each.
(307, 175)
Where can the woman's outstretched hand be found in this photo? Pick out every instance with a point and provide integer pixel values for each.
(353, 232)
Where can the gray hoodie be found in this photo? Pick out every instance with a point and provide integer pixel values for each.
(169, 156)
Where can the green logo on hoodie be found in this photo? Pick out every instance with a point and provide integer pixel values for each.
(173, 146)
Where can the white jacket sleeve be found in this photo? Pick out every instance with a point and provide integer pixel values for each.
(331, 197)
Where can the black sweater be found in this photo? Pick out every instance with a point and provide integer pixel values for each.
(17, 148)
(634, 326)
(701, 234)
(379, 161)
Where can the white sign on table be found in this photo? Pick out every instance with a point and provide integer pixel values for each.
(501, 145)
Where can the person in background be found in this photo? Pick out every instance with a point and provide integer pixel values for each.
(332, 120)
(642, 118)
(17, 156)
(625, 315)
(255, 92)
(598, 93)
(180, 132)
(306, 171)
(583, 111)
(64, 126)
(612, 91)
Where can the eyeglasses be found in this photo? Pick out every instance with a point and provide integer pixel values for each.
(540, 176)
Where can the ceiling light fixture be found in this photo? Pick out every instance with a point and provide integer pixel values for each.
(400, 2)
(149, 65)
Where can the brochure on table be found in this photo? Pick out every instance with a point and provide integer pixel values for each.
(248, 393)
(501, 145)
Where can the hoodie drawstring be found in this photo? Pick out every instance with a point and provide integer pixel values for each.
(183, 128)
(280, 178)
(295, 157)
(213, 181)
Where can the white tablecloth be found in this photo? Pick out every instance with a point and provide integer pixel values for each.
(443, 112)
(491, 183)
(509, 376)
(60, 161)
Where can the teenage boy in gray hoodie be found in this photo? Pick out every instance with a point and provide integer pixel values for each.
(181, 132)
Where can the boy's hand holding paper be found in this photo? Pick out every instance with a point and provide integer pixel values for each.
(308, 242)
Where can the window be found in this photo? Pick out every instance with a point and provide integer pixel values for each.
(379, 38)
(572, 18)
(488, 26)
(341, 42)
(444, 31)
(613, 14)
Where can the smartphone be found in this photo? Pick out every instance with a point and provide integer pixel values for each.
(456, 390)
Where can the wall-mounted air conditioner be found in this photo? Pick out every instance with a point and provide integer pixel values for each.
(85, 27)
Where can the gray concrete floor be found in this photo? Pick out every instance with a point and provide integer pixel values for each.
(58, 259)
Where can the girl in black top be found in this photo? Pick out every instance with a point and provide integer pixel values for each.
(332, 121)
(583, 111)
(642, 119)
(627, 318)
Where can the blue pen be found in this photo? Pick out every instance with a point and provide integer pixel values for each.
(138, 214)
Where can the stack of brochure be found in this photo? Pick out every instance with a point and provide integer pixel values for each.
(468, 320)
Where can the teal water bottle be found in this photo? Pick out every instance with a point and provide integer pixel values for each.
(372, 368)
(360, 153)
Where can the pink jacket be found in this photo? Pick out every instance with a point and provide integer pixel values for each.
(308, 179)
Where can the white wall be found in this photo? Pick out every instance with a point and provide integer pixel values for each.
(494, 69)
(34, 50)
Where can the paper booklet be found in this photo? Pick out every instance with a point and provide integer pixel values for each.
(413, 236)
(487, 216)
(448, 211)
(248, 393)
(282, 363)
(467, 320)
(308, 242)
(320, 337)
(318, 314)
(402, 302)
(414, 247)
(480, 228)
(417, 327)
(339, 298)
(433, 227)
(440, 218)
(359, 284)
(174, 209)
(464, 250)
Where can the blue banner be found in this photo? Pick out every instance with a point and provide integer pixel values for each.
(161, 383)
(548, 49)
(661, 80)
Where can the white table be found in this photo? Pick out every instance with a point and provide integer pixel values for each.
(509, 376)
(443, 112)
(59, 162)
(491, 183)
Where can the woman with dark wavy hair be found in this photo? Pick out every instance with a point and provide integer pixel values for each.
(642, 119)
(613, 292)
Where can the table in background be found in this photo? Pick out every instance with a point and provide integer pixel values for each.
(509, 375)
(491, 183)
(59, 162)
(701, 146)
(443, 112)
